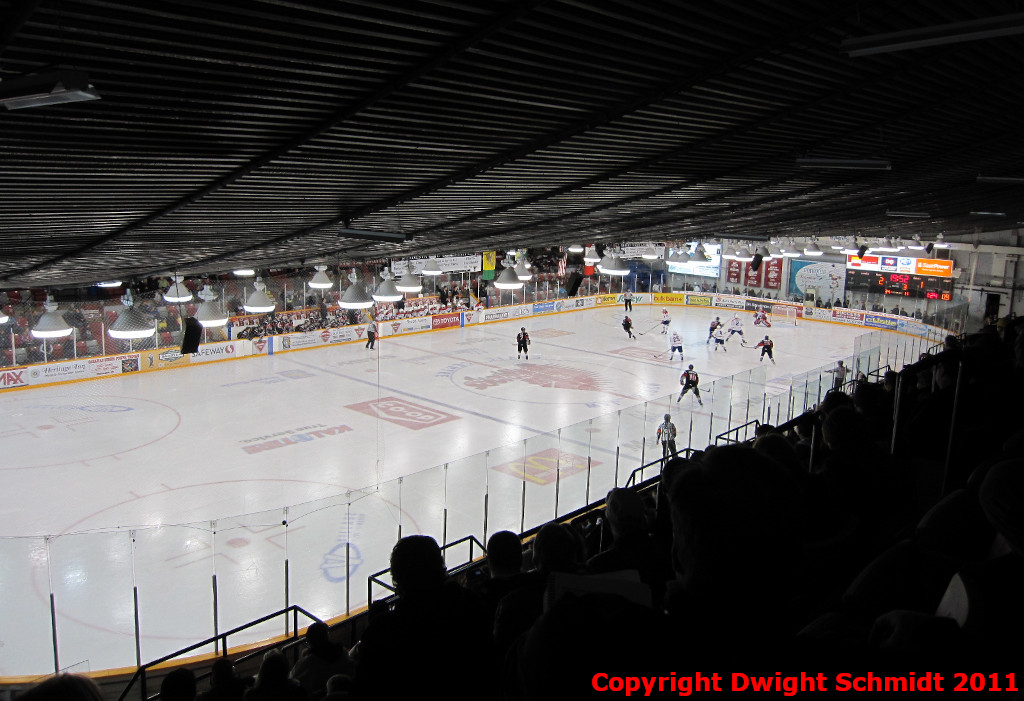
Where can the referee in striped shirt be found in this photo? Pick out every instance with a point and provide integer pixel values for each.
(667, 436)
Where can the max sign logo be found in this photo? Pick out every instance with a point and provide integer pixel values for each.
(403, 413)
(12, 378)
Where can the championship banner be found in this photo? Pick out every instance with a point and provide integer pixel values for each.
(490, 259)
(772, 274)
(751, 277)
(733, 269)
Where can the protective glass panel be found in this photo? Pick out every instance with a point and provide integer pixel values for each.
(605, 460)
(423, 504)
(380, 510)
(174, 564)
(249, 564)
(541, 476)
(506, 476)
(632, 447)
(325, 561)
(465, 491)
(92, 586)
(25, 606)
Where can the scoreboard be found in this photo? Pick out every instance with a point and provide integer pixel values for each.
(900, 284)
(901, 275)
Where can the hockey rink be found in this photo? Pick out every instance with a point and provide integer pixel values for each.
(167, 482)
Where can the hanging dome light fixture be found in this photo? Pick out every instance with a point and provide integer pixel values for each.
(387, 291)
(508, 280)
(132, 323)
(51, 324)
(208, 314)
(177, 293)
(321, 280)
(259, 302)
(355, 296)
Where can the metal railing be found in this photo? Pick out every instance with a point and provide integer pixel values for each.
(725, 435)
(221, 640)
(375, 578)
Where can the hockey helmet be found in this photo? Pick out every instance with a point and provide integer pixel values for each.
(668, 416)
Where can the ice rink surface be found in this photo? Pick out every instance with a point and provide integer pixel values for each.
(161, 480)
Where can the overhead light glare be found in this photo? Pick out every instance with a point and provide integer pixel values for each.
(907, 215)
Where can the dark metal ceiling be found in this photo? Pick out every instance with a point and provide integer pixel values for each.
(250, 132)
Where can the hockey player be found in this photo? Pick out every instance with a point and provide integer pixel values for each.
(761, 318)
(665, 320)
(667, 437)
(716, 324)
(719, 336)
(689, 380)
(736, 326)
(766, 349)
(627, 326)
(523, 339)
(676, 344)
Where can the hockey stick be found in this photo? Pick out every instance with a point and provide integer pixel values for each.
(641, 333)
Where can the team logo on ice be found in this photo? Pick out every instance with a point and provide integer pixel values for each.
(546, 466)
(403, 413)
(547, 376)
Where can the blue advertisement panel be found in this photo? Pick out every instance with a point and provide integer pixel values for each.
(543, 307)
(880, 322)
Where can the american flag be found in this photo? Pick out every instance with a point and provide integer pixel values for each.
(561, 264)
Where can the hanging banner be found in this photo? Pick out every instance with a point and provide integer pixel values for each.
(751, 277)
(772, 274)
(490, 259)
(732, 271)
(448, 264)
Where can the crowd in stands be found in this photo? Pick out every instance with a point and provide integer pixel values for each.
(824, 546)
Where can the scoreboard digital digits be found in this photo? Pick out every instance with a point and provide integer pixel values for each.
(900, 284)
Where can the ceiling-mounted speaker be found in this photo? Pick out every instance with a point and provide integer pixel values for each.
(755, 264)
(862, 251)
(190, 338)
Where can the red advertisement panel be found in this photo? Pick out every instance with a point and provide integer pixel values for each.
(444, 321)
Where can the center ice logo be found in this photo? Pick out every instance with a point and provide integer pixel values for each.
(403, 413)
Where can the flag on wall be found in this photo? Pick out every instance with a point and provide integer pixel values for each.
(562, 263)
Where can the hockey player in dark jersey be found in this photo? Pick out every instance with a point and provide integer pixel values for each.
(523, 341)
(716, 324)
(766, 347)
(689, 380)
(627, 326)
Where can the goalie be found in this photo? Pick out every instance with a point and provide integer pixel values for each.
(761, 318)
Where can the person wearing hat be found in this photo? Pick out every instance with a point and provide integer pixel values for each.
(667, 436)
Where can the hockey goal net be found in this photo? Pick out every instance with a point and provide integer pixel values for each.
(784, 316)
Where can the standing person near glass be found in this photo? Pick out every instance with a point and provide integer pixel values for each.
(667, 437)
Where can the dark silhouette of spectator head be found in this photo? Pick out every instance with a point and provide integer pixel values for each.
(625, 513)
(889, 381)
(64, 687)
(736, 519)
(1002, 499)
(273, 670)
(417, 565)
(834, 400)
(222, 674)
(844, 430)
(778, 448)
(504, 554)
(179, 685)
(555, 549)
(318, 636)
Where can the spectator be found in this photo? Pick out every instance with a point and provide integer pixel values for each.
(179, 685)
(321, 660)
(272, 682)
(434, 623)
(64, 687)
(224, 684)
